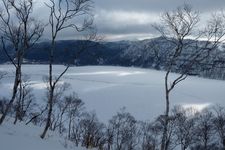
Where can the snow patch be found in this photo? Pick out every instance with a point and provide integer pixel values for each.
(116, 73)
(197, 107)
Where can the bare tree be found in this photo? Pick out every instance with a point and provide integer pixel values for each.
(125, 131)
(205, 133)
(75, 108)
(57, 105)
(178, 24)
(75, 115)
(19, 29)
(3, 104)
(24, 100)
(63, 15)
(2, 74)
(177, 28)
(219, 123)
(184, 124)
(160, 123)
(92, 135)
(67, 110)
(150, 136)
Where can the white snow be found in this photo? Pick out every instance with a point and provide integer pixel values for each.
(106, 89)
(26, 137)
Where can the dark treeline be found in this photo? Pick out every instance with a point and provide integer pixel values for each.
(146, 54)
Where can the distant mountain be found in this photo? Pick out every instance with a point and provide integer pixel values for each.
(151, 53)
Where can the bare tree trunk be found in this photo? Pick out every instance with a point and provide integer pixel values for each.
(17, 81)
(48, 121)
(51, 93)
(70, 123)
(18, 105)
(164, 144)
(60, 124)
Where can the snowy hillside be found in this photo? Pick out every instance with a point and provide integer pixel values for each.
(26, 137)
(106, 89)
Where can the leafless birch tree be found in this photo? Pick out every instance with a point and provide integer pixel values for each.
(19, 29)
(178, 27)
(64, 14)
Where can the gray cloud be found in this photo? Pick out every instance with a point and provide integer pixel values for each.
(157, 5)
(132, 19)
(135, 17)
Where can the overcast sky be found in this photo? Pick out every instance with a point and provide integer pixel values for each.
(132, 19)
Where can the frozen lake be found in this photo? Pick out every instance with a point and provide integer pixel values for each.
(106, 89)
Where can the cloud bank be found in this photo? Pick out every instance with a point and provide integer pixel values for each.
(132, 19)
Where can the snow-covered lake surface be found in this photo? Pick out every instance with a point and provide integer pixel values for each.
(106, 89)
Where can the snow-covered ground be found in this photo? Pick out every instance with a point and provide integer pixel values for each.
(106, 89)
(26, 137)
